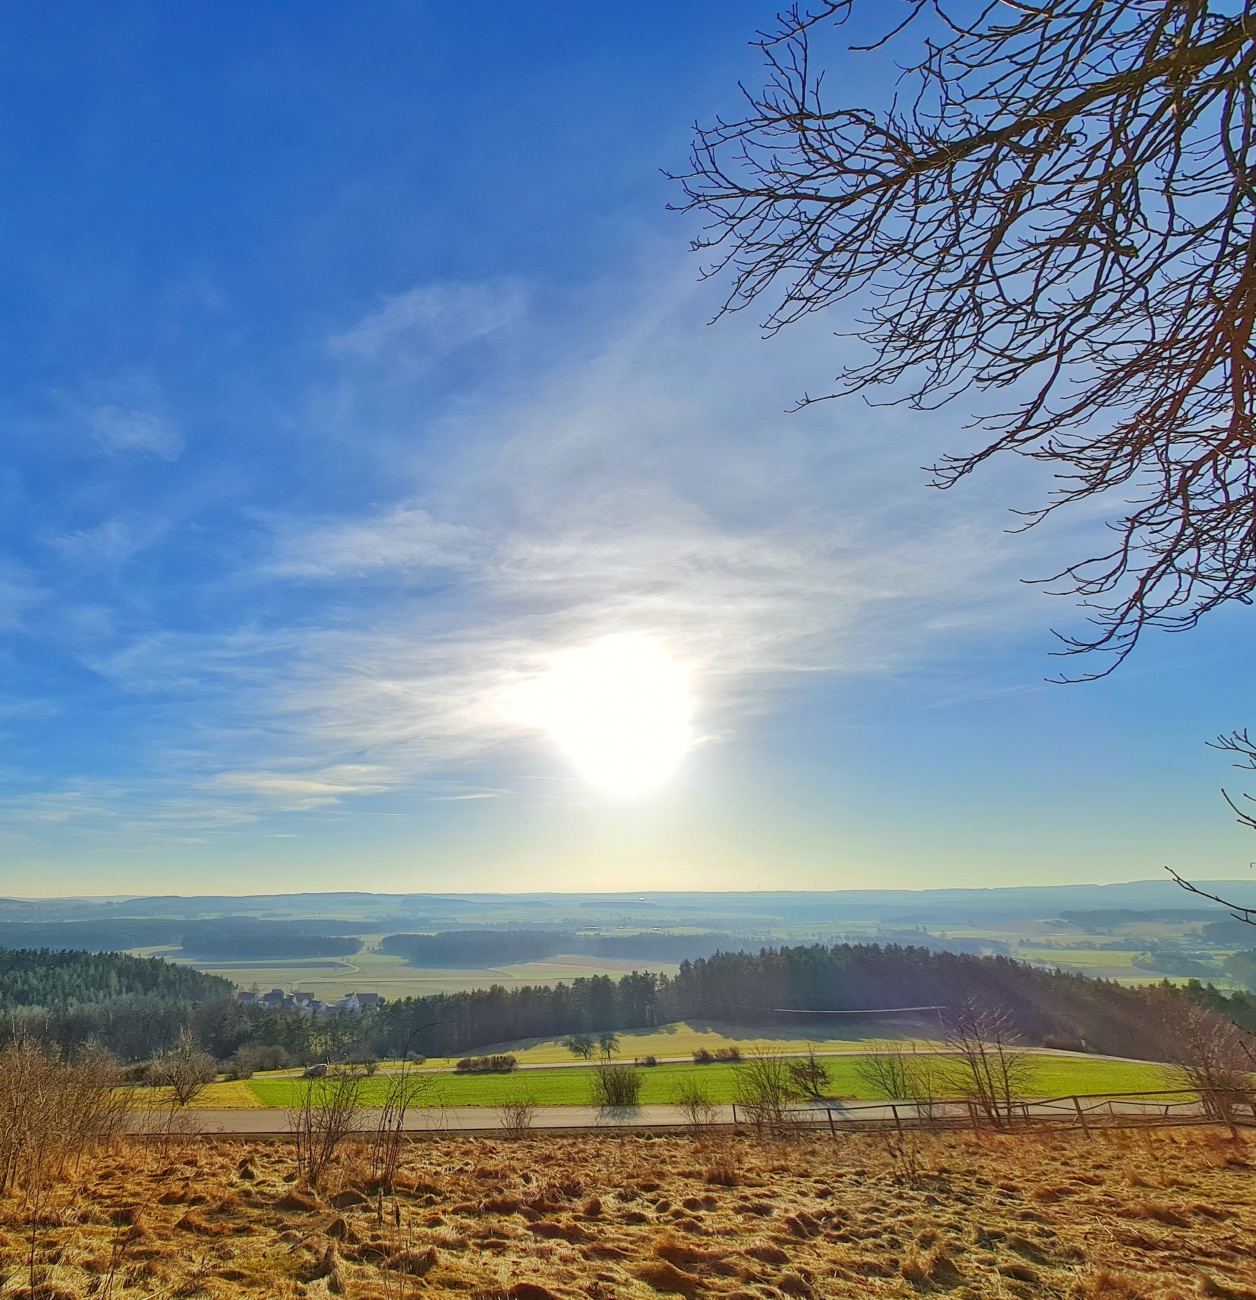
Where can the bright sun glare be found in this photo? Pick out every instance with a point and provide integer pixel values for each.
(620, 709)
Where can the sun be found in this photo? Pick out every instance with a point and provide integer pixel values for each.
(619, 708)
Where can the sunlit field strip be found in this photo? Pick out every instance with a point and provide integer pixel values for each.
(681, 1039)
(1052, 1076)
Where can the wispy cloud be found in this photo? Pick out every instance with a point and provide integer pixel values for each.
(431, 319)
(651, 485)
(403, 539)
(110, 544)
(129, 414)
(121, 428)
(308, 790)
(654, 487)
(18, 593)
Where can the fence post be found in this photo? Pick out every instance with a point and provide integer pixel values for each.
(1081, 1115)
(898, 1123)
(832, 1127)
(734, 1114)
(972, 1115)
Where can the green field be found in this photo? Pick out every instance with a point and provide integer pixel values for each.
(1053, 1076)
(681, 1039)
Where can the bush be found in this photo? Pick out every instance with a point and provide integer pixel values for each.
(616, 1086)
(702, 1057)
(185, 1069)
(51, 1112)
(516, 1114)
(728, 1054)
(249, 1058)
(763, 1089)
(810, 1076)
(486, 1065)
(695, 1104)
(648, 1060)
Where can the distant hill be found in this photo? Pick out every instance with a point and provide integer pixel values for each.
(732, 911)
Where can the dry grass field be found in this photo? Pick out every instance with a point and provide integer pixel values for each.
(1147, 1215)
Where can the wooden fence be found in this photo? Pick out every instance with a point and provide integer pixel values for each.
(1082, 1111)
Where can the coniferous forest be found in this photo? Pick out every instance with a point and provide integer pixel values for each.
(138, 1006)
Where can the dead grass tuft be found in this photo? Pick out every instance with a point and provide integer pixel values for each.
(615, 1214)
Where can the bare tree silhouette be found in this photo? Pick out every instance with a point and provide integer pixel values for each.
(1059, 201)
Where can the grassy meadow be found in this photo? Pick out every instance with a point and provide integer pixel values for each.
(1151, 1215)
(682, 1039)
(1051, 1076)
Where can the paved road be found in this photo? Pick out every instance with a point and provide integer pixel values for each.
(448, 1118)
(1097, 1110)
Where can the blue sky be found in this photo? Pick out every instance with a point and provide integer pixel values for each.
(353, 370)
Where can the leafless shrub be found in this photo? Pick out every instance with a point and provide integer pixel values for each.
(405, 1090)
(695, 1104)
(902, 1072)
(616, 1087)
(809, 1076)
(516, 1114)
(905, 1156)
(185, 1069)
(763, 1089)
(1215, 1058)
(52, 1114)
(325, 1118)
(251, 1057)
(985, 1063)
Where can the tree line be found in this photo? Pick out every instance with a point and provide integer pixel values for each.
(1046, 1007)
(229, 938)
(140, 1007)
(475, 948)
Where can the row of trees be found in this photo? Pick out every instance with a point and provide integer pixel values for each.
(500, 947)
(1044, 1007)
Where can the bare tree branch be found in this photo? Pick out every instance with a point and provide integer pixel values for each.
(1059, 201)
(1247, 914)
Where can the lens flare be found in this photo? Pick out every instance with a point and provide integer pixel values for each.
(619, 708)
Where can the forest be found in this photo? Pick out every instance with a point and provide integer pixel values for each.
(1048, 1007)
(136, 1006)
(473, 948)
(228, 938)
(31, 977)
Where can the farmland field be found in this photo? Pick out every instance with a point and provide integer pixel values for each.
(1052, 1076)
(371, 971)
(682, 1039)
